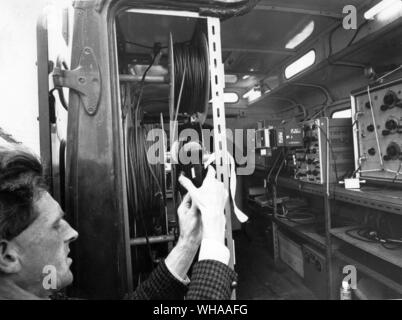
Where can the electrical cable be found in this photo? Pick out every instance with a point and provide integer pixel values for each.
(356, 33)
(389, 73)
(140, 174)
(332, 152)
(191, 58)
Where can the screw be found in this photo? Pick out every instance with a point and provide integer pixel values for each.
(81, 80)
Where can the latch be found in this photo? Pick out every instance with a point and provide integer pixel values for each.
(85, 79)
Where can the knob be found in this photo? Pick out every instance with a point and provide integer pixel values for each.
(393, 150)
(390, 98)
(371, 151)
(368, 106)
(391, 124)
(370, 128)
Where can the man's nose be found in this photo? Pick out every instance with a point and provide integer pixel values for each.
(72, 234)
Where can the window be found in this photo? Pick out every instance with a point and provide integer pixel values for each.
(301, 36)
(345, 113)
(230, 97)
(300, 64)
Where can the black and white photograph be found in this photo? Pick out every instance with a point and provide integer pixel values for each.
(223, 151)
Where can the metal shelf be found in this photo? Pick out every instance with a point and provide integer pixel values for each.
(302, 186)
(392, 256)
(388, 200)
(305, 231)
(370, 272)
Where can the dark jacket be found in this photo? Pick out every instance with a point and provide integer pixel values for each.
(210, 280)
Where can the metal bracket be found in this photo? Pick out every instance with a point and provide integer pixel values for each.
(85, 79)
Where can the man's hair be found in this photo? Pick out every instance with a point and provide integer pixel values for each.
(21, 183)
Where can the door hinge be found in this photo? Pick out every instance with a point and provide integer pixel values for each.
(85, 79)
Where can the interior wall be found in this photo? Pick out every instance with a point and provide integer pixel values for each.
(339, 81)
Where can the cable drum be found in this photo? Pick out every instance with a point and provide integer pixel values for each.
(191, 61)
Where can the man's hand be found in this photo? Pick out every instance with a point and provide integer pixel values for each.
(210, 199)
(189, 222)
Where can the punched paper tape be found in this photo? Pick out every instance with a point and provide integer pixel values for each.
(239, 214)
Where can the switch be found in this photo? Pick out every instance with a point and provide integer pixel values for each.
(384, 107)
(385, 132)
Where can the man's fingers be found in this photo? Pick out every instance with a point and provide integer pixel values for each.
(188, 185)
(211, 174)
(186, 200)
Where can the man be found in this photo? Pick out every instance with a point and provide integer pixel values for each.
(34, 237)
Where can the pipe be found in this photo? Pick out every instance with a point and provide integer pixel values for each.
(322, 88)
(156, 239)
(138, 78)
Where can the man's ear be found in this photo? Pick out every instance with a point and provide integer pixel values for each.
(9, 258)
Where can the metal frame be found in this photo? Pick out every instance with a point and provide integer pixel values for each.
(43, 98)
(272, 6)
(263, 51)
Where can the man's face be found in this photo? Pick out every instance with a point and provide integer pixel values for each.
(44, 246)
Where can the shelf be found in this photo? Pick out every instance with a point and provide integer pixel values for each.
(389, 200)
(255, 208)
(306, 231)
(383, 199)
(392, 256)
(364, 268)
(302, 186)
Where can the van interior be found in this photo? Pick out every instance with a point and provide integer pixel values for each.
(311, 97)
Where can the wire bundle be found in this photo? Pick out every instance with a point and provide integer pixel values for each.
(191, 62)
(144, 178)
(370, 235)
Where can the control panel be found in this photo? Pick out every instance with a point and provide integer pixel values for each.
(377, 114)
(324, 140)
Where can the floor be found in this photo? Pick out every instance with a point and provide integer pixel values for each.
(258, 278)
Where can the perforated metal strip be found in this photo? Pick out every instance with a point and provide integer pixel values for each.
(218, 108)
